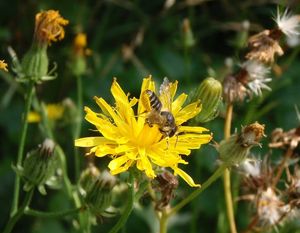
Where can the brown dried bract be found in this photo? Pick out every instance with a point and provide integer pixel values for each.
(264, 46)
(281, 139)
(166, 184)
(233, 89)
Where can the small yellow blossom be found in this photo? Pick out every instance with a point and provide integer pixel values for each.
(80, 44)
(49, 26)
(3, 65)
(130, 141)
(54, 112)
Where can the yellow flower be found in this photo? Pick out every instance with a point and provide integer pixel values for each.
(54, 112)
(130, 141)
(49, 26)
(3, 65)
(80, 44)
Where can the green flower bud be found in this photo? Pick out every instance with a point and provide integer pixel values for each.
(210, 94)
(35, 62)
(87, 178)
(78, 66)
(234, 150)
(99, 196)
(39, 166)
(188, 37)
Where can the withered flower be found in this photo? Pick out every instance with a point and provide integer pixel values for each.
(165, 185)
(250, 80)
(264, 46)
(270, 208)
(289, 139)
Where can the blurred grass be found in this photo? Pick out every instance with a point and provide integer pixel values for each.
(109, 26)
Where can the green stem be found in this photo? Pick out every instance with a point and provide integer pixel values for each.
(163, 222)
(128, 208)
(226, 175)
(42, 214)
(78, 124)
(194, 194)
(16, 216)
(28, 101)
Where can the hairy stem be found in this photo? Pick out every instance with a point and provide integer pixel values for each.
(281, 166)
(128, 207)
(18, 214)
(58, 214)
(28, 102)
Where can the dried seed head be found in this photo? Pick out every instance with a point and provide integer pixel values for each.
(264, 46)
(289, 139)
(288, 23)
(270, 209)
(233, 90)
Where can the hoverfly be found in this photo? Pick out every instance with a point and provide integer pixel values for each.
(160, 109)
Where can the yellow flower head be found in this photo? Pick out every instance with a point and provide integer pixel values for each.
(49, 26)
(3, 65)
(80, 44)
(54, 112)
(129, 140)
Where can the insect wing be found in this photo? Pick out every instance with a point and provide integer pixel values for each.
(165, 95)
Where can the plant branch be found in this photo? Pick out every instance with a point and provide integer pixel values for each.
(28, 102)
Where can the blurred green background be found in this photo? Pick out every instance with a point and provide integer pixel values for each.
(112, 26)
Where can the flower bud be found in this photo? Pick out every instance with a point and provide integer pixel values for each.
(210, 94)
(234, 150)
(35, 62)
(39, 166)
(188, 37)
(87, 178)
(99, 195)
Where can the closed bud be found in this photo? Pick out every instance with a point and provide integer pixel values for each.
(209, 93)
(99, 196)
(234, 150)
(35, 62)
(39, 166)
(87, 178)
(188, 37)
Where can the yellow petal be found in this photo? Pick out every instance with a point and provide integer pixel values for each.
(118, 162)
(192, 129)
(177, 104)
(186, 177)
(91, 141)
(187, 113)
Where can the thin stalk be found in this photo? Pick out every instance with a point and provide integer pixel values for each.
(194, 194)
(28, 101)
(163, 222)
(128, 208)
(16, 216)
(78, 124)
(57, 214)
(281, 166)
(226, 175)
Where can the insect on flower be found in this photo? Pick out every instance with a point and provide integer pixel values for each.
(160, 109)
